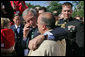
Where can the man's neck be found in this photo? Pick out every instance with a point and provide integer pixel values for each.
(34, 26)
(17, 25)
(67, 18)
(46, 31)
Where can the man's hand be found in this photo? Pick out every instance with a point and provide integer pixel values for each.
(26, 30)
(33, 44)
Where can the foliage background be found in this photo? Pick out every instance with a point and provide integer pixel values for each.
(55, 5)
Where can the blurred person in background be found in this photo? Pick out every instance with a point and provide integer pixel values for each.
(7, 38)
(6, 10)
(18, 30)
(55, 13)
(37, 8)
(78, 17)
(19, 7)
(60, 16)
(42, 9)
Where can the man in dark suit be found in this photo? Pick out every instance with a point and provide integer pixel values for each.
(18, 29)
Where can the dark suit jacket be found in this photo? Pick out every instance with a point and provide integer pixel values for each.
(18, 36)
(18, 39)
(76, 35)
(75, 38)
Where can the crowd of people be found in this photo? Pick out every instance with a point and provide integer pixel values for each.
(36, 32)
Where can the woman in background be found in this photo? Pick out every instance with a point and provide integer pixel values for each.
(7, 38)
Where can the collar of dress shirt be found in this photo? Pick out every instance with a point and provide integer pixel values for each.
(49, 34)
(17, 26)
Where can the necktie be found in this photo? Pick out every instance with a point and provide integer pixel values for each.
(18, 29)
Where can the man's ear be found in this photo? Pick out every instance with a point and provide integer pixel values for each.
(44, 27)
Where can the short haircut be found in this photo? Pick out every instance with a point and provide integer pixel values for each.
(43, 8)
(33, 11)
(50, 23)
(37, 8)
(67, 4)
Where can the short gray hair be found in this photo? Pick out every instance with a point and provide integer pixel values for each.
(33, 11)
(50, 23)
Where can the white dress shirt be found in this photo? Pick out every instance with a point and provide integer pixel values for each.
(18, 28)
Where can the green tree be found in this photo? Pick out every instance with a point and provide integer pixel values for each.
(37, 6)
(32, 6)
(78, 9)
(54, 5)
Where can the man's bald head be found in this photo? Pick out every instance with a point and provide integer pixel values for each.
(48, 19)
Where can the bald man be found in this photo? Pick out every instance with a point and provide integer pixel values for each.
(46, 22)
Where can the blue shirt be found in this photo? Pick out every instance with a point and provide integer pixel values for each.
(50, 35)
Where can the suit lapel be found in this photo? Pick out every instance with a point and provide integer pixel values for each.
(15, 30)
